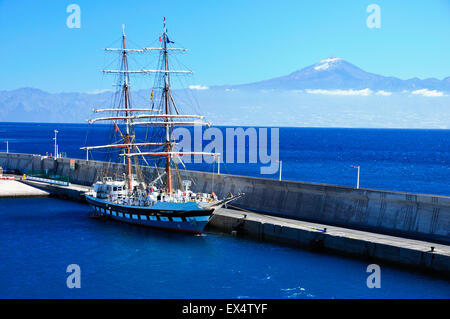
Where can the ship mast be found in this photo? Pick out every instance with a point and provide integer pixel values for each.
(167, 110)
(127, 139)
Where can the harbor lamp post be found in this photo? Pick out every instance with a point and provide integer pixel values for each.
(280, 168)
(56, 145)
(357, 180)
(218, 163)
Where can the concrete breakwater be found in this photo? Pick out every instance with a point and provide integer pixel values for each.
(411, 215)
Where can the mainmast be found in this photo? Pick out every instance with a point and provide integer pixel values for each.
(167, 110)
(127, 139)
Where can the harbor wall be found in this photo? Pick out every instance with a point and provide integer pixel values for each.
(411, 215)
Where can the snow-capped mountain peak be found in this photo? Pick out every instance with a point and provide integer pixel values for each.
(326, 64)
(338, 74)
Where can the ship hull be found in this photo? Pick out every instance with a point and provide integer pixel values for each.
(181, 218)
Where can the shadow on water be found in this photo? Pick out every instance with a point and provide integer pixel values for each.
(139, 233)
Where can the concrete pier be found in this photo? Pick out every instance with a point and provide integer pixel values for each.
(13, 188)
(371, 246)
(71, 192)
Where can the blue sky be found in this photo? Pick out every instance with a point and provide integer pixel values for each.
(229, 42)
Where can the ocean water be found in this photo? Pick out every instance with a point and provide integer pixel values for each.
(391, 159)
(40, 237)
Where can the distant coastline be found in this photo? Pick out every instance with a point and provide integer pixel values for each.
(330, 93)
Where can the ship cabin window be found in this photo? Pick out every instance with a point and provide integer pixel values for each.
(115, 188)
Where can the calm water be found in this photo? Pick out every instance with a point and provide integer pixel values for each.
(41, 236)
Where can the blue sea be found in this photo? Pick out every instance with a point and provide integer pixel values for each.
(40, 237)
(392, 159)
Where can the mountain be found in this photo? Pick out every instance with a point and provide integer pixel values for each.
(34, 105)
(336, 73)
(330, 93)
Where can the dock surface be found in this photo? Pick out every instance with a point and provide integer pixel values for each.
(338, 231)
(14, 188)
(72, 191)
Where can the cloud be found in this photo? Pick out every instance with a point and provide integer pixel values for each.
(384, 93)
(426, 92)
(98, 91)
(364, 92)
(198, 87)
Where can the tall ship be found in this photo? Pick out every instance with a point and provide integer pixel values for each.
(132, 196)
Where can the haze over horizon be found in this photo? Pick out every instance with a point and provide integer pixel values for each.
(330, 93)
